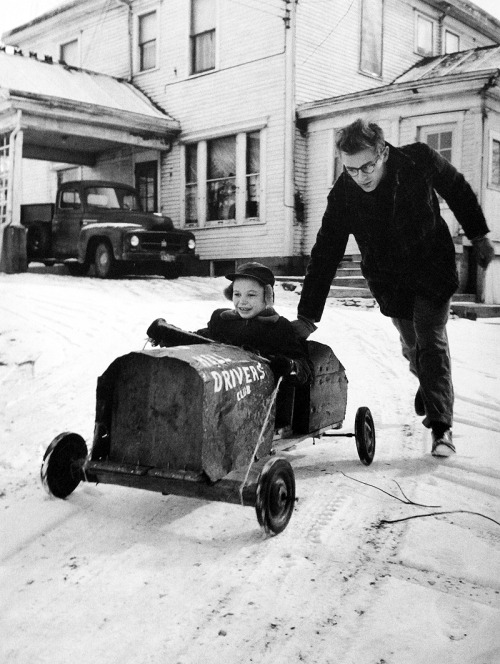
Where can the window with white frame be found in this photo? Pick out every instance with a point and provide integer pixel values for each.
(222, 180)
(424, 35)
(494, 170)
(371, 37)
(202, 35)
(451, 42)
(191, 191)
(5, 165)
(146, 40)
(69, 53)
(441, 139)
(252, 175)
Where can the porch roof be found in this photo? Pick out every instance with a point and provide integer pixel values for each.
(72, 115)
(461, 73)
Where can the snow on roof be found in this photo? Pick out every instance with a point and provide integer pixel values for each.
(31, 76)
(462, 62)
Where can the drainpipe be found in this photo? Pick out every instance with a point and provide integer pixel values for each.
(12, 244)
(128, 4)
(289, 147)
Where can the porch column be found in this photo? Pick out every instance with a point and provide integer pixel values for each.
(12, 234)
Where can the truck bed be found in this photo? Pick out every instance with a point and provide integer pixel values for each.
(37, 212)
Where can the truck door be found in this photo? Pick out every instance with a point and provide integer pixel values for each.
(67, 223)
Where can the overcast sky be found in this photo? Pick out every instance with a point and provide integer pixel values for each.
(17, 12)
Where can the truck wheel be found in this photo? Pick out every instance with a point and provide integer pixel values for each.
(37, 242)
(275, 495)
(61, 470)
(104, 261)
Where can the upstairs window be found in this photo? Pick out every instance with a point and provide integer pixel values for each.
(451, 42)
(147, 41)
(69, 53)
(424, 35)
(202, 35)
(371, 37)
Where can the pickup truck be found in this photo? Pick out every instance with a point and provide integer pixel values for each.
(100, 223)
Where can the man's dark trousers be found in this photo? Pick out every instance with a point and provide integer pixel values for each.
(424, 343)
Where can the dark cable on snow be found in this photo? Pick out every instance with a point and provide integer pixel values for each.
(419, 516)
(407, 501)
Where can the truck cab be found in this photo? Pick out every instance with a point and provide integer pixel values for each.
(100, 223)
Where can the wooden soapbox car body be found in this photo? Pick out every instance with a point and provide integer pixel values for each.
(204, 420)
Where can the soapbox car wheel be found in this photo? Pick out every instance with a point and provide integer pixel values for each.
(275, 495)
(364, 432)
(61, 469)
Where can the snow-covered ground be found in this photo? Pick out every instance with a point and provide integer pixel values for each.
(115, 575)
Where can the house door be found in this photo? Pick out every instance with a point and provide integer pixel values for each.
(146, 183)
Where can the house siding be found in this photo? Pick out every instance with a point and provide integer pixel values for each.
(246, 87)
(328, 45)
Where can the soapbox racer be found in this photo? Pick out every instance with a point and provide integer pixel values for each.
(206, 420)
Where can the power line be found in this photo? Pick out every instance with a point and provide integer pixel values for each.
(329, 34)
(258, 9)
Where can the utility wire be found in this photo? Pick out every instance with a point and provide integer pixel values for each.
(329, 34)
(257, 9)
(102, 15)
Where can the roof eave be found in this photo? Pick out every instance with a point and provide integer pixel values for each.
(469, 82)
(44, 105)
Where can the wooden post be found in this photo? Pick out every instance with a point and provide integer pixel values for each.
(12, 234)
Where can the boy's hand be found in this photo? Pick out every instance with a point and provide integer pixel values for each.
(282, 366)
(155, 331)
(303, 327)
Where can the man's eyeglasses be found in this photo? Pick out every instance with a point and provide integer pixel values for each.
(367, 168)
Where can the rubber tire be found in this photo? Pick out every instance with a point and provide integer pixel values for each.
(37, 242)
(275, 498)
(104, 261)
(60, 472)
(364, 432)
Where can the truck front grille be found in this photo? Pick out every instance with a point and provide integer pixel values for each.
(153, 242)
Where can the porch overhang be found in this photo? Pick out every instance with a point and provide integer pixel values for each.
(461, 86)
(97, 114)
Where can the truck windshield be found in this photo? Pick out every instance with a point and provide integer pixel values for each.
(112, 198)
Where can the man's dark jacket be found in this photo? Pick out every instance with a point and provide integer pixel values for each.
(406, 247)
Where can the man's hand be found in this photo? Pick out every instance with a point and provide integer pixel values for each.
(155, 330)
(303, 327)
(484, 251)
(282, 366)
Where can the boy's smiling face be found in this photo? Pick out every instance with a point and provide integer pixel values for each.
(248, 297)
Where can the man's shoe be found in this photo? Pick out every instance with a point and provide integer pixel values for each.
(442, 445)
(419, 403)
